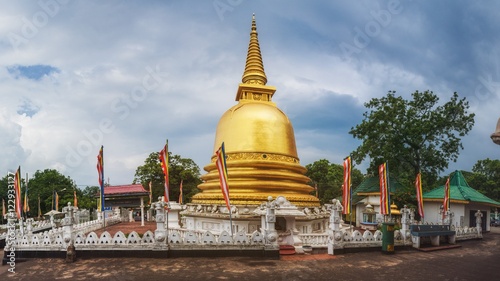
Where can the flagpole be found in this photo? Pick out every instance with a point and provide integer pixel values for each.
(388, 191)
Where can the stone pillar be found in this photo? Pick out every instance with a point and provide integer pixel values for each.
(21, 226)
(52, 223)
(479, 229)
(271, 234)
(334, 232)
(160, 233)
(142, 211)
(29, 226)
(441, 214)
(77, 216)
(405, 222)
(131, 215)
(11, 231)
(173, 215)
(67, 224)
(68, 236)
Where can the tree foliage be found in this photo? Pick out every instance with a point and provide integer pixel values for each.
(485, 178)
(179, 168)
(412, 135)
(328, 177)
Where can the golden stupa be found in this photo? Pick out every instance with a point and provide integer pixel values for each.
(261, 154)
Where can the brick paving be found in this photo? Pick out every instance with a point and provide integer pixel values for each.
(128, 227)
(474, 260)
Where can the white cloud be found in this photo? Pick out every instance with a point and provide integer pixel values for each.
(104, 51)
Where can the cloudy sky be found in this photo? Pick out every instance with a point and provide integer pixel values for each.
(130, 74)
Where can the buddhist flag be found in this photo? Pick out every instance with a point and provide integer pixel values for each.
(420, 201)
(222, 170)
(384, 190)
(17, 189)
(180, 193)
(346, 187)
(446, 202)
(75, 199)
(26, 205)
(57, 202)
(316, 189)
(100, 171)
(164, 167)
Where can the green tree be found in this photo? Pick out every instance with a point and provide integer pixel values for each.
(328, 177)
(179, 169)
(485, 178)
(412, 135)
(43, 184)
(87, 198)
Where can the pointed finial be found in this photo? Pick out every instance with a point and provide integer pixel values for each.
(254, 68)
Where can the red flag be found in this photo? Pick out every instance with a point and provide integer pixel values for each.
(222, 169)
(384, 190)
(420, 201)
(346, 187)
(100, 171)
(164, 167)
(17, 189)
(180, 193)
(446, 202)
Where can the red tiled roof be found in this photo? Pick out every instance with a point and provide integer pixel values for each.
(124, 189)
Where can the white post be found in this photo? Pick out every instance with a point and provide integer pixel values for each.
(142, 211)
(334, 233)
(271, 233)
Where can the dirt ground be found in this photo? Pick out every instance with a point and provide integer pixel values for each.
(474, 260)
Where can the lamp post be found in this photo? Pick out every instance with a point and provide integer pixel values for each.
(495, 137)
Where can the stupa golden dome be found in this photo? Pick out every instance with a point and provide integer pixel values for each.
(261, 155)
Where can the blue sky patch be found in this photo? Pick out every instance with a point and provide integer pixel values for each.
(28, 108)
(33, 72)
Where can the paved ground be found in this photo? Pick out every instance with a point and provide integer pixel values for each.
(475, 260)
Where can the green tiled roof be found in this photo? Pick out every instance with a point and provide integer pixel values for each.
(461, 191)
(372, 185)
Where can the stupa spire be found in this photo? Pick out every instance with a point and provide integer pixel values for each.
(254, 68)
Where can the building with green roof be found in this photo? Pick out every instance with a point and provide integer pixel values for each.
(464, 203)
(368, 193)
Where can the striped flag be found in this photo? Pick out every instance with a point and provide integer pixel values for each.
(75, 199)
(222, 170)
(180, 193)
(164, 167)
(420, 201)
(26, 206)
(100, 171)
(57, 202)
(346, 187)
(17, 189)
(446, 202)
(384, 190)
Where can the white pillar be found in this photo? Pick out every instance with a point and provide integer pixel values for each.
(335, 233)
(142, 211)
